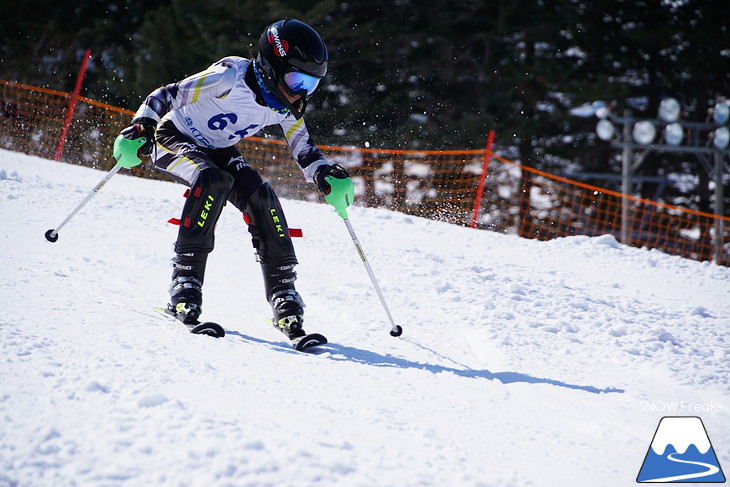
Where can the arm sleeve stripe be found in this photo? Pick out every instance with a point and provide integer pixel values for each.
(198, 86)
(294, 128)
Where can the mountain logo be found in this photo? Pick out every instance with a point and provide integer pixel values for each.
(680, 452)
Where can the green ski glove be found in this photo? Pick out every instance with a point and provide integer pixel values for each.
(135, 140)
(335, 183)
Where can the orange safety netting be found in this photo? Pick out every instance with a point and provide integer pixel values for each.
(33, 119)
(432, 184)
(536, 204)
(439, 185)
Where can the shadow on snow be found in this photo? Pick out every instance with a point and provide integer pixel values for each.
(337, 353)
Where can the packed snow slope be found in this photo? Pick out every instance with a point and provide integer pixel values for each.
(522, 363)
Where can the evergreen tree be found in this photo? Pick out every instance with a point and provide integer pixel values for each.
(408, 74)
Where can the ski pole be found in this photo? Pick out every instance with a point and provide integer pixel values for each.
(396, 330)
(341, 195)
(52, 234)
(125, 152)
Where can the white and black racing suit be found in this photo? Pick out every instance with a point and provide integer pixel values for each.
(200, 119)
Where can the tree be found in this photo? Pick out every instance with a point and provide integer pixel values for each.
(638, 52)
(409, 74)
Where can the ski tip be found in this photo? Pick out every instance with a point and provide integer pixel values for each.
(309, 341)
(208, 328)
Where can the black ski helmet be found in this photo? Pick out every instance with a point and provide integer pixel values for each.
(291, 46)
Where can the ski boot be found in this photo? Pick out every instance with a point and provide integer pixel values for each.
(288, 310)
(186, 290)
(186, 298)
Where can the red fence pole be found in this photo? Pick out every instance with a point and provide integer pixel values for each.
(72, 105)
(480, 188)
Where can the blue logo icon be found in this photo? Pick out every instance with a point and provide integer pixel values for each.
(680, 452)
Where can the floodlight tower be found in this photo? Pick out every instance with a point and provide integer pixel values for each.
(699, 138)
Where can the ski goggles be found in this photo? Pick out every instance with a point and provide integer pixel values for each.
(297, 81)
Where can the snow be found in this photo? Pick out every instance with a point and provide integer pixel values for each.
(522, 363)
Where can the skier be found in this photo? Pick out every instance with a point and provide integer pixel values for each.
(190, 129)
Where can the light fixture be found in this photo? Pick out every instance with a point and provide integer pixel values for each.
(644, 132)
(605, 129)
(721, 112)
(669, 110)
(600, 109)
(721, 137)
(673, 133)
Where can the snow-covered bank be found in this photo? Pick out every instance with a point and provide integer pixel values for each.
(522, 362)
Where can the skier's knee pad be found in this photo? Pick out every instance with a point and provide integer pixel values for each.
(268, 228)
(201, 211)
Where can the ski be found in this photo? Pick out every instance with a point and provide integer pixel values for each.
(308, 342)
(205, 328)
(303, 342)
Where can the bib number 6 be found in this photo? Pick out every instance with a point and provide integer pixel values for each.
(220, 122)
